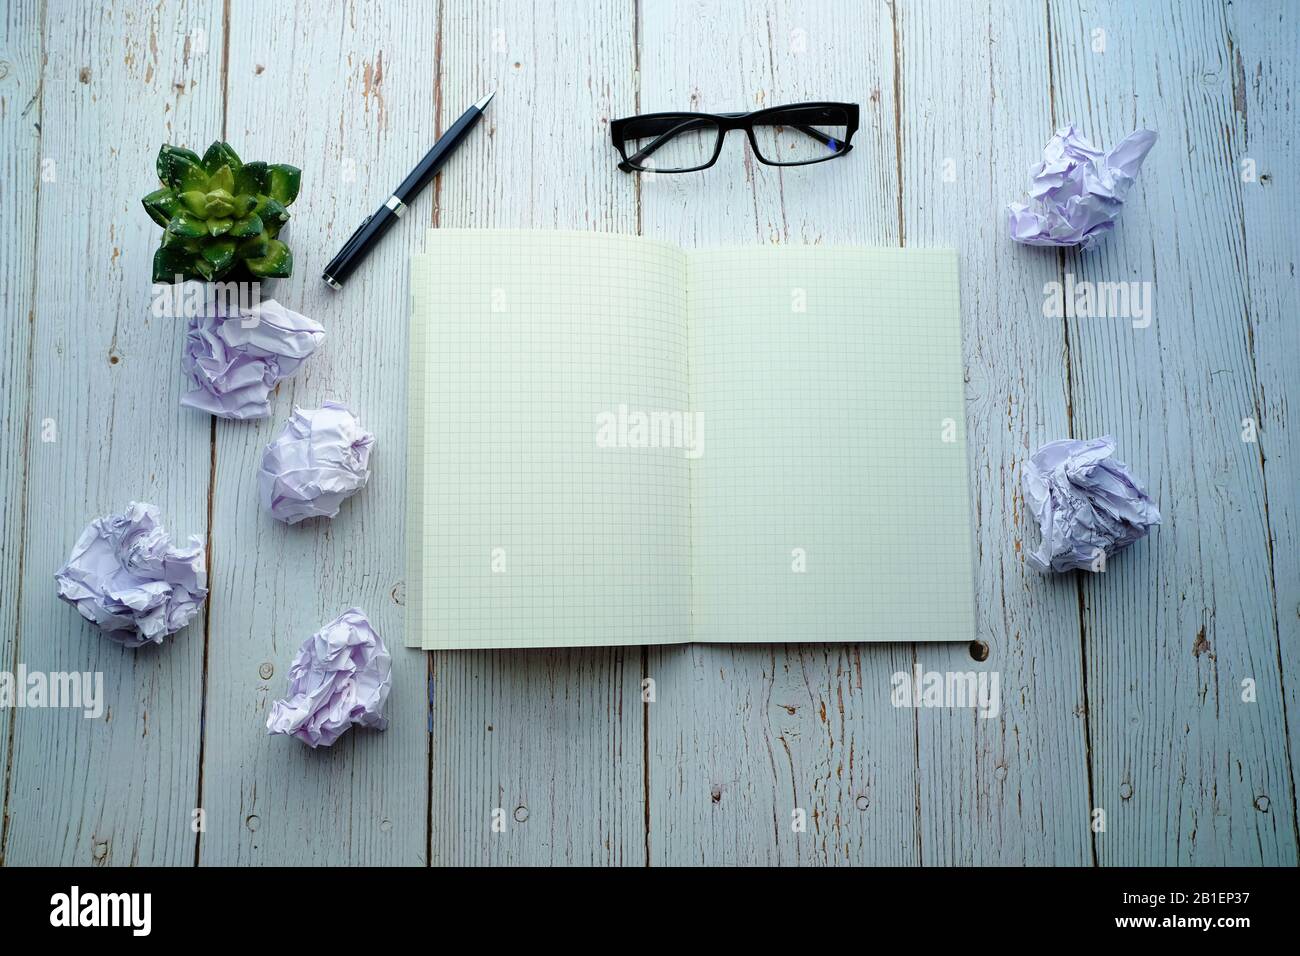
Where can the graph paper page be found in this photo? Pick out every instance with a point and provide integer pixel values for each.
(523, 529)
(830, 502)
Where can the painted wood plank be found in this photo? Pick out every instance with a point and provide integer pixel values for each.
(1265, 63)
(119, 80)
(350, 99)
(1187, 772)
(975, 110)
(20, 174)
(552, 739)
(741, 737)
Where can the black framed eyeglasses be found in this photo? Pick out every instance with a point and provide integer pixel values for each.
(795, 135)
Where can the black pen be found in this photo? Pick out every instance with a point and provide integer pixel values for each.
(370, 231)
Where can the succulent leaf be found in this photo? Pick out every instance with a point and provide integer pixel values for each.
(220, 203)
(282, 182)
(276, 264)
(196, 202)
(187, 227)
(273, 211)
(169, 262)
(251, 178)
(167, 171)
(161, 205)
(255, 247)
(186, 174)
(223, 178)
(221, 154)
(220, 216)
(248, 226)
(220, 254)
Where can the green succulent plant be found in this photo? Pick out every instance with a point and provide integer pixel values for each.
(220, 216)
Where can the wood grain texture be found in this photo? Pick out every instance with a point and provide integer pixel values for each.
(550, 741)
(20, 174)
(1265, 61)
(119, 80)
(1187, 771)
(740, 737)
(350, 100)
(1010, 790)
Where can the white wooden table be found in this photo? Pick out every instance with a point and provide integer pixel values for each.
(1121, 691)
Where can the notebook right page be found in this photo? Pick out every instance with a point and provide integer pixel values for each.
(830, 500)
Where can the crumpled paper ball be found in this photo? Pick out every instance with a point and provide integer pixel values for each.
(341, 677)
(125, 577)
(233, 361)
(320, 458)
(1087, 502)
(1077, 190)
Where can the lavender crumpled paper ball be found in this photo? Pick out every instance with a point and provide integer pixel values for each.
(320, 458)
(1077, 190)
(125, 577)
(233, 361)
(341, 677)
(1087, 502)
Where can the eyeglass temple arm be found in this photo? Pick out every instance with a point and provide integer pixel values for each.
(818, 135)
(650, 147)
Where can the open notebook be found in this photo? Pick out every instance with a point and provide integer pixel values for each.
(615, 441)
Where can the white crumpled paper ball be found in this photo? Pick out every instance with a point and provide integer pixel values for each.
(234, 360)
(1077, 191)
(340, 678)
(320, 458)
(1087, 502)
(125, 577)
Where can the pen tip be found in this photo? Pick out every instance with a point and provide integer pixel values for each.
(482, 104)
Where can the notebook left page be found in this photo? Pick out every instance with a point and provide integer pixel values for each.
(536, 517)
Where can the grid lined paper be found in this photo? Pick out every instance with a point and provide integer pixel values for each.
(522, 532)
(831, 502)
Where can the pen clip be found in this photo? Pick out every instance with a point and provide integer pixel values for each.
(356, 232)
